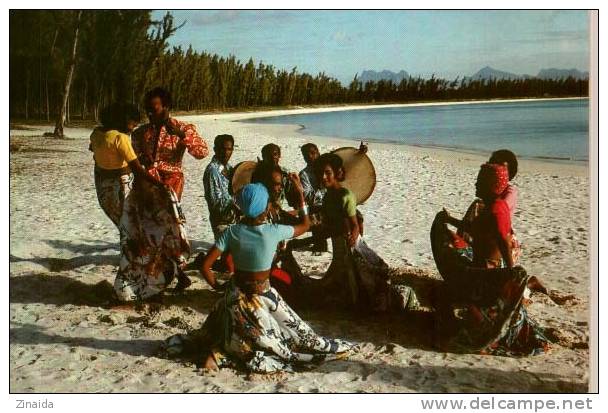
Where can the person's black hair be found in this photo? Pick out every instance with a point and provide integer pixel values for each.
(334, 161)
(504, 155)
(219, 140)
(263, 173)
(306, 147)
(158, 92)
(117, 115)
(268, 149)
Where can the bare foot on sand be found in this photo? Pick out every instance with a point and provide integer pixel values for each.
(210, 363)
(534, 284)
(122, 305)
(183, 282)
(560, 298)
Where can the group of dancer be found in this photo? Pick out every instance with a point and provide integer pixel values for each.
(139, 182)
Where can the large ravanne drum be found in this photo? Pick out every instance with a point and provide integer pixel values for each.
(360, 173)
(242, 175)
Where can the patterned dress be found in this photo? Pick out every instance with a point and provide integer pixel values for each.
(252, 326)
(162, 153)
(153, 242)
(112, 192)
(481, 309)
(356, 278)
(259, 333)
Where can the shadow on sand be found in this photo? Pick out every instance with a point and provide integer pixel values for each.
(62, 290)
(29, 334)
(445, 378)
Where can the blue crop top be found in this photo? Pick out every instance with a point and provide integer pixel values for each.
(253, 247)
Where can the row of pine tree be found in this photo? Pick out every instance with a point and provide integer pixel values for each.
(66, 65)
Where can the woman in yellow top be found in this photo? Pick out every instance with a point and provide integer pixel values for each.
(115, 160)
(153, 242)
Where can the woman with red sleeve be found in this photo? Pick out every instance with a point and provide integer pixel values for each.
(492, 317)
(490, 230)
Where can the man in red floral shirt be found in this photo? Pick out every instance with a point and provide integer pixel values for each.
(161, 143)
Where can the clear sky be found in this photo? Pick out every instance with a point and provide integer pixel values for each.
(342, 43)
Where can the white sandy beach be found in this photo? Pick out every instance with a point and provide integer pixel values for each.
(64, 251)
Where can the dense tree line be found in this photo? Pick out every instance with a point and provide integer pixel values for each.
(71, 63)
(119, 54)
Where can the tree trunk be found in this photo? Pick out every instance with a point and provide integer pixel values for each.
(46, 87)
(46, 78)
(39, 68)
(58, 133)
(83, 112)
(27, 93)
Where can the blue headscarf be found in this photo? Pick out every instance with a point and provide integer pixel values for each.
(252, 199)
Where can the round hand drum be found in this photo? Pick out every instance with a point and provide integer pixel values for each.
(242, 174)
(360, 173)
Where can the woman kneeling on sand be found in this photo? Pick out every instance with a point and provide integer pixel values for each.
(494, 319)
(357, 276)
(153, 242)
(252, 325)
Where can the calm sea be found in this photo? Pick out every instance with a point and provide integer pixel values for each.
(555, 129)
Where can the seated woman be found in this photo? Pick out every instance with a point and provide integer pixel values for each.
(491, 316)
(509, 195)
(357, 276)
(490, 225)
(251, 325)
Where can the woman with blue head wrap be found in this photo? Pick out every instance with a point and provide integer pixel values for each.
(252, 325)
(252, 200)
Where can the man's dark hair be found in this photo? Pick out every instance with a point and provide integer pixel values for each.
(158, 92)
(263, 173)
(117, 115)
(268, 149)
(306, 147)
(219, 140)
(334, 161)
(504, 155)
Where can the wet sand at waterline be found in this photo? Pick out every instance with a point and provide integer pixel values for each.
(64, 254)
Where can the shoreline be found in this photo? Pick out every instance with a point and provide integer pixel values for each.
(243, 117)
(466, 157)
(263, 112)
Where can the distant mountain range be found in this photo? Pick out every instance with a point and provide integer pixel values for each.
(490, 73)
(484, 73)
(561, 73)
(373, 76)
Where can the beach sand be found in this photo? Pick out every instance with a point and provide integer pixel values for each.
(64, 254)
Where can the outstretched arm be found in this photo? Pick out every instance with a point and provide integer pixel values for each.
(448, 219)
(304, 225)
(188, 135)
(213, 254)
(140, 173)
